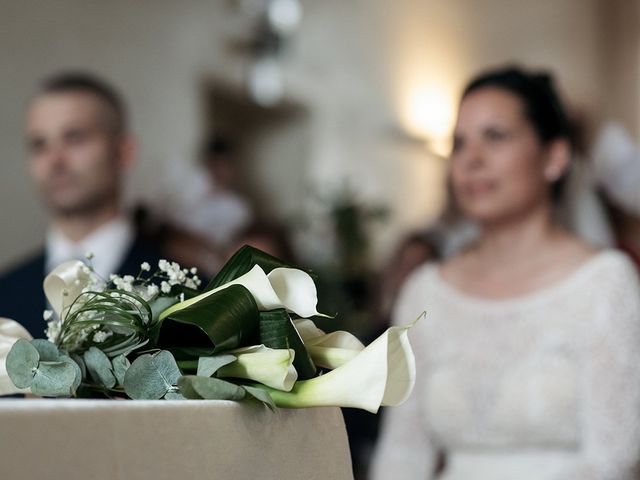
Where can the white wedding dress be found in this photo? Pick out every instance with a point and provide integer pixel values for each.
(541, 387)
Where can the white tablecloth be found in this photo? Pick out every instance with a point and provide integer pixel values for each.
(154, 440)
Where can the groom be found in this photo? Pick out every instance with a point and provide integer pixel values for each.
(79, 149)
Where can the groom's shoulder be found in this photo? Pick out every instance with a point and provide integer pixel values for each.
(30, 268)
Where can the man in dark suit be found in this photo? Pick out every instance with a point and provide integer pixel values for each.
(79, 149)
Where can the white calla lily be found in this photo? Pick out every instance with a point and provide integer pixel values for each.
(330, 350)
(10, 332)
(383, 374)
(271, 367)
(65, 282)
(286, 288)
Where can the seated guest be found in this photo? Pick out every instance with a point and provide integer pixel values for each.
(528, 361)
(79, 149)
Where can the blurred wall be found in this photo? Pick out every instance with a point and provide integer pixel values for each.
(377, 78)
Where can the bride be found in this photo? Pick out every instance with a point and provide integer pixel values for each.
(528, 362)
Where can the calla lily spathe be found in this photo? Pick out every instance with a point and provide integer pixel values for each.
(271, 367)
(64, 284)
(382, 374)
(287, 288)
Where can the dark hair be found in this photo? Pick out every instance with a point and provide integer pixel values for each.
(537, 93)
(542, 105)
(216, 147)
(72, 82)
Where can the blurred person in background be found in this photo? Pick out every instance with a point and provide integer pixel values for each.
(79, 150)
(528, 362)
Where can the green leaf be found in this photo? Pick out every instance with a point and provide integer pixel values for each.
(99, 367)
(243, 261)
(194, 387)
(80, 362)
(120, 366)
(207, 366)
(151, 376)
(174, 396)
(261, 395)
(277, 331)
(222, 321)
(22, 361)
(76, 368)
(48, 351)
(54, 379)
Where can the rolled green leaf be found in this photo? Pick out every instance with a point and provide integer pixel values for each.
(277, 332)
(222, 321)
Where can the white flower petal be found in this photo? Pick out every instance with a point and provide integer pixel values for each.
(68, 277)
(296, 290)
(10, 332)
(271, 367)
(307, 329)
(383, 374)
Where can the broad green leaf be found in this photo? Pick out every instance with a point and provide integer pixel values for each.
(207, 366)
(194, 387)
(54, 379)
(243, 261)
(222, 321)
(99, 367)
(151, 376)
(260, 395)
(48, 351)
(277, 331)
(76, 367)
(120, 365)
(80, 362)
(22, 361)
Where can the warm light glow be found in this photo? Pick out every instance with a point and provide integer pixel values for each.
(428, 113)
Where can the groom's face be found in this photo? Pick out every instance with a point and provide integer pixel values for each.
(75, 156)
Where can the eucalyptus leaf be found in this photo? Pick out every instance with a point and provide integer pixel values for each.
(99, 367)
(195, 387)
(54, 379)
(261, 395)
(277, 331)
(207, 366)
(174, 396)
(80, 362)
(151, 376)
(48, 351)
(21, 363)
(222, 321)
(76, 368)
(120, 366)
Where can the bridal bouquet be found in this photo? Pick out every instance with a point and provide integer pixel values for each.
(249, 335)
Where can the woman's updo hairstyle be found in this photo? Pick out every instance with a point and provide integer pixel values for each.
(542, 105)
(537, 93)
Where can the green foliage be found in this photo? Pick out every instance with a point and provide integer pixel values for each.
(221, 321)
(277, 331)
(207, 366)
(151, 376)
(22, 363)
(120, 365)
(195, 387)
(99, 367)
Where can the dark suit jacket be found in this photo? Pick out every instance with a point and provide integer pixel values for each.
(22, 297)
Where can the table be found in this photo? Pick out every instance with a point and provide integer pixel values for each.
(129, 440)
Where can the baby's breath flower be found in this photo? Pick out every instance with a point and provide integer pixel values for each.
(165, 287)
(163, 265)
(100, 336)
(194, 270)
(46, 315)
(145, 267)
(152, 290)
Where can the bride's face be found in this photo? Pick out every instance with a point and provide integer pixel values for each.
(499, 166)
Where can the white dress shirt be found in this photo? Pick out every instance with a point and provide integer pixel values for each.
(109, 245)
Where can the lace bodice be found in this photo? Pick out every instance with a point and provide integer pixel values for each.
(545, 386)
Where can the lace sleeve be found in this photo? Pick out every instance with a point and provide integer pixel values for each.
(610, 413)
(405, 450)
